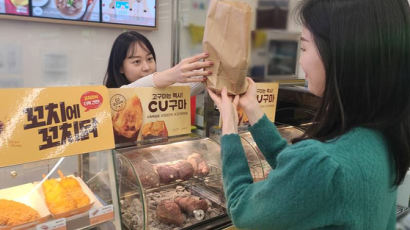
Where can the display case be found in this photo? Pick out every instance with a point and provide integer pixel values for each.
(173, 185)
(72, 192)
(258, 165)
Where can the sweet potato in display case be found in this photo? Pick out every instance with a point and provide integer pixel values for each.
(182, 186)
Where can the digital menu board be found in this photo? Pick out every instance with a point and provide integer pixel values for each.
(116, 13)
(17, 7)
(79, 10)
(2, 7)
(130, 12)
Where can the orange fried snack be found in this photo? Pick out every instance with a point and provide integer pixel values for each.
(14, 213)
(74, 190)
(57, 199)
(64, 195)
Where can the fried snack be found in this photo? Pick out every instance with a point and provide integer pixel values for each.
(14, 213)
(189, 204)
(57, 199)
(156, 129)
(64, 195)
(74, 190)
(128, 121)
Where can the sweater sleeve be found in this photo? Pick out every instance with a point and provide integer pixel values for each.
(196, 87)
(268, 139)
(299, 192)
(148, 81)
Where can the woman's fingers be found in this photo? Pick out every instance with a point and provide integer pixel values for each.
(250, 81)
(214, 97)
(236, 101)
(196, 58)
(224, 95)
(197, 65)
(196, 73)
(194, 79)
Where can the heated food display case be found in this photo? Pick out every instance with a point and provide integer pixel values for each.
(72, 192)
(258, 165)
(174, 185)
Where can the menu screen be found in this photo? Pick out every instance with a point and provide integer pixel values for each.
(2, 7)
(18, 7)
(121, 12)
(131, 12)
(79, 10)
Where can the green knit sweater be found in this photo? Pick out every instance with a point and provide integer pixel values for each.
(345, 183)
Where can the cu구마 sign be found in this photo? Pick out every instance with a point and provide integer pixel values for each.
(144, 113)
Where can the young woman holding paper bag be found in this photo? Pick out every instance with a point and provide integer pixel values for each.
(344, 171)
(132, 63)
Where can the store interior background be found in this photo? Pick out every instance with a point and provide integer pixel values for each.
(37, 54)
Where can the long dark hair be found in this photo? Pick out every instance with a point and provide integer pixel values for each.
(365, 48)
(114, 78)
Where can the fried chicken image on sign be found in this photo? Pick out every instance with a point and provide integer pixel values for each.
(156, 129)
(14, 213)
(127, 122)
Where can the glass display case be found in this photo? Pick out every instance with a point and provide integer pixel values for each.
(258, 165)
(73, 192)
(173, 185)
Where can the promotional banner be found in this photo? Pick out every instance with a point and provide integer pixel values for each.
(44, 123)
(140, 114)
(267, 96)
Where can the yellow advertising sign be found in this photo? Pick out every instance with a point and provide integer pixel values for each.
(44, 123)
(267, 96)
(143, 113)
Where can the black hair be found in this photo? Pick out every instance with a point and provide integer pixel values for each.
(119, 51)
(365, 49)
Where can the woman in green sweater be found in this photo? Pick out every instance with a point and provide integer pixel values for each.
(344, 172)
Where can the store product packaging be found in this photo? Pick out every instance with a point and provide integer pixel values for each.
(227, 40)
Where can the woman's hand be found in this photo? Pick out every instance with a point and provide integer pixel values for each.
(188, 70)
(227, 108)
(249, 103)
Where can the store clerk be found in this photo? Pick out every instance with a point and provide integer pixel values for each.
(132, 63)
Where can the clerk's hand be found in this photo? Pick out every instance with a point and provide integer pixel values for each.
(188, 70)
(227, 108)
(249, 103)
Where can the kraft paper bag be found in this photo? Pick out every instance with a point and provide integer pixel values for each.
(227, 39)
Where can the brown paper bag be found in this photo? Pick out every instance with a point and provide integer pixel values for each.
(227, 39)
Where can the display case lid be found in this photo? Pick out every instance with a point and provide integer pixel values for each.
(174, 174)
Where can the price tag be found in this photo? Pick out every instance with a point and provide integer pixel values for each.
(100, 215)
(59, 224)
